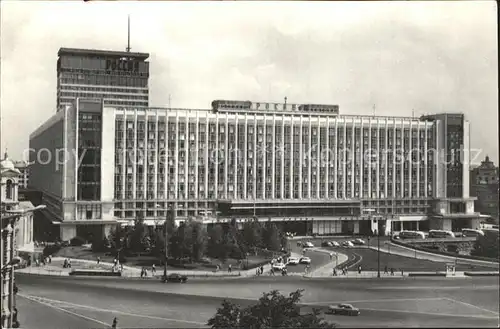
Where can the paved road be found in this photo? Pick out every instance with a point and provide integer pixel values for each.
(467, 302)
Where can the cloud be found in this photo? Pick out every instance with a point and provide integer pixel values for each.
(401, 56)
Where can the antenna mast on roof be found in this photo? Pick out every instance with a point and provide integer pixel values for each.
(128, 36)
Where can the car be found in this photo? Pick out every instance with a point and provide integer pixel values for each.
(293, 261)
(343, 309)
(299, 244)
(326, 244)
(308, 244)
(305, 260)
(347, 244)
(335, 244)
(359, 242)
(174, 277)
(278, 266)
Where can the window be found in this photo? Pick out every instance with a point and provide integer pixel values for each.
(9, 189)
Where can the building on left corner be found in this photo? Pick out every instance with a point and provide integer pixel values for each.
(10, 181)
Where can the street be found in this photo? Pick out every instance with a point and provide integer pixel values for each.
(468, 302)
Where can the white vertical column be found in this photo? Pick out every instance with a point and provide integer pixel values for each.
(134, 180)
(370, 194)
(273, 178)
(394, 158)
(410, 159)
(207, 146)
(216, 192)
(344, 169)
(318, 155)
(155, 188)
(254, 178)
(362, 158)
(353, 173)
(291, 157)
(145, 161)
(245, 158)
(226, 156)
(301, 157)
(186, 158)
(196, 156)
(282, 157)
(402, 164)
(264, 158)
(418, 160)
(124, 155)
(426, 148)
(309, 164)
(335, 156)
(166, 159)
(327, 164)
(377, 163)
(386, 132)
(236, 153)
(176, 160)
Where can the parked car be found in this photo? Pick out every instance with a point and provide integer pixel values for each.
(347, 244)
(326, 244)
(305, 260)
(343, 309)
(359, 242)
(308, 244)
(335, 244)
(293, 261)
(278, 266)
(174, 277)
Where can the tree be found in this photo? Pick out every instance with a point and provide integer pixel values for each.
(252, 234)
(139, 238)
(216, 242)
(199, 240)
(272, 236)
(273, 310)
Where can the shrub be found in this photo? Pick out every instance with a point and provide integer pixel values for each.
(51, 249)
(100, 245)
(77, 241)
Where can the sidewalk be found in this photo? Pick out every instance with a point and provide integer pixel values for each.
(327, 270)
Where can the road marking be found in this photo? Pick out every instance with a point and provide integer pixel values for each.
(67, 311)
(376, 300)
(471, 305)
(73, 305)
(485, 287)
(430, 313)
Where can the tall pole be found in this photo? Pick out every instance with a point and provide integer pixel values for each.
(128, 34)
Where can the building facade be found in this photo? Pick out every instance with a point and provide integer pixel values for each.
(305, 166)
(23, 242)
(24, 176)
(119, 78)
(484, 186)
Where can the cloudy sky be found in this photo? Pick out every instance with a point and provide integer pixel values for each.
(426, 56)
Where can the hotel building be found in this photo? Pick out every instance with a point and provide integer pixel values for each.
(118, 77)
(306, 166)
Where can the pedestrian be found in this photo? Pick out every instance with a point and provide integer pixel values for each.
(142, 272)
(334, 271)
(261, 269)
(392, 271)
(115, 261)
(50, 259)
(217, 268)
(402, 273)
(229, 268)
(69, 263)
(153, 269)
(257, 272)
(385, 269)
(272, 271)
(359, 269)
(115, 323)
(98, 260)
(121, 267)
(65, 263)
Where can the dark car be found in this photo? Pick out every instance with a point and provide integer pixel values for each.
(174, 277)
(343, 309)
(326, 244)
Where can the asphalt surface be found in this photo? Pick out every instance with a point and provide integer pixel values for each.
(66, 302)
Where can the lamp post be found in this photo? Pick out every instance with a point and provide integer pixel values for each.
(9, 310)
